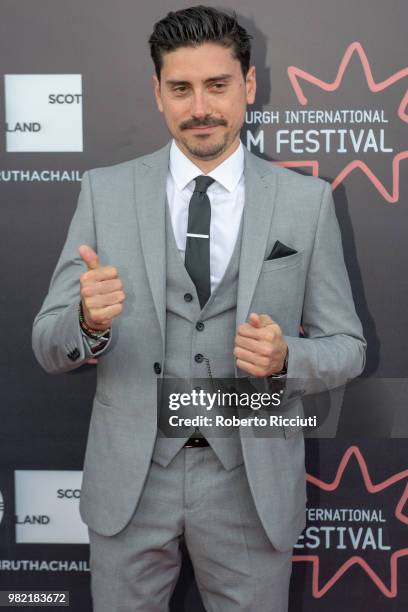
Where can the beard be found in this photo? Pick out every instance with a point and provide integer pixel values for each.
(206, 151)
(198, 147)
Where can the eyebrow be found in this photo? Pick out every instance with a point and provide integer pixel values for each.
(220, 77)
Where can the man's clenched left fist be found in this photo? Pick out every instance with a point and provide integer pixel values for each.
(260, 348)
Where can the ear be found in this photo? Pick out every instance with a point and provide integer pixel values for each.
(157, 93)
(250, 85)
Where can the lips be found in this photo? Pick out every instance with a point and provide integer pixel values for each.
(204, 128)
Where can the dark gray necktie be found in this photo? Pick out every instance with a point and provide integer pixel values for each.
(197, 259)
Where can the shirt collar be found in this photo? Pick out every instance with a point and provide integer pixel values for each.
(227, 174)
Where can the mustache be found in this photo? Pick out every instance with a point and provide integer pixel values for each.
(206, 122)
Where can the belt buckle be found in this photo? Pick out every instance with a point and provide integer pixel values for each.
(196, 442)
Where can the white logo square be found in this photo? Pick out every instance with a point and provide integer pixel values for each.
(43, 112)
(47, 507)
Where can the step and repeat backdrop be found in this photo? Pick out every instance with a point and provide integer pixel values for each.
(76, 93)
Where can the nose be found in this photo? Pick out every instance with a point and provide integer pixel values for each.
(200, 107)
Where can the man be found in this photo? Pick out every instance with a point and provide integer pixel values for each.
(197, 259)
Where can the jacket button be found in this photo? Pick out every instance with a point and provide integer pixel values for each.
(199, 358)
(157, 367)
(188, 297)
(199, 326)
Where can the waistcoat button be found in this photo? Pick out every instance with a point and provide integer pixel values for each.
(157, 367)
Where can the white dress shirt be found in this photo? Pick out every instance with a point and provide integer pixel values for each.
(226, 196)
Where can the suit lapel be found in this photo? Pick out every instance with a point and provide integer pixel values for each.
(260, 192)
(150, 195)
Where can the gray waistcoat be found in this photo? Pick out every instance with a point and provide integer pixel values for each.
(215, 342)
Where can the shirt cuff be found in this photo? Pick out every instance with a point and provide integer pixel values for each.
(96, 345)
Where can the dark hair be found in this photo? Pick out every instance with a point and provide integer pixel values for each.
(195, 25)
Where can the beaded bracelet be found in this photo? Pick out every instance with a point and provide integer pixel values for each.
(92, 333)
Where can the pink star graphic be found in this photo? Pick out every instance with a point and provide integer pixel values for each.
(388, 591)
(295, 74)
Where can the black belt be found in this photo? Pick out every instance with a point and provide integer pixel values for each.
(196, 442)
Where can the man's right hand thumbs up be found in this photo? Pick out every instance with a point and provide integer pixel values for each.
(101, 292)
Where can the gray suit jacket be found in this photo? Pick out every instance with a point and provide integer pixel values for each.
(120, 214)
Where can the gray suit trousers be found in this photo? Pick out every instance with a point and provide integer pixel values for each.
(195, 498)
